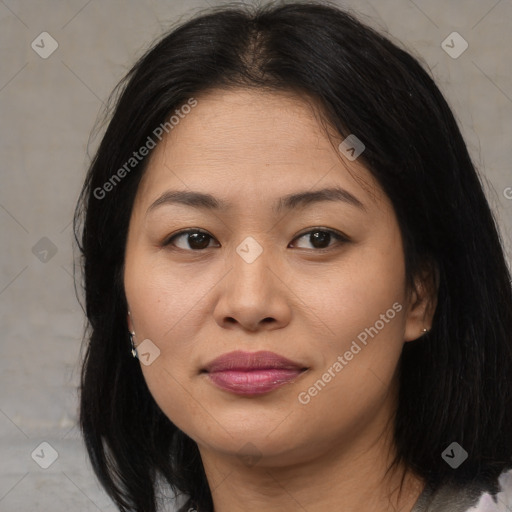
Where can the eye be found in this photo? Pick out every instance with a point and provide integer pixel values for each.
(320, 238)
(196, 239)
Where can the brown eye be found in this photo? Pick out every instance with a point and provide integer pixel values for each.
(195, 239)
(321, 238)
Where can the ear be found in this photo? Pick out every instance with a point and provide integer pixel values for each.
(422, 302)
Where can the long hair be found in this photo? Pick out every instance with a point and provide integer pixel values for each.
(455, 383)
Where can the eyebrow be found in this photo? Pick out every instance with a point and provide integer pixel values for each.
(289, 202)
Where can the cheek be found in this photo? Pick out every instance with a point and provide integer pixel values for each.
(170, 306)
(164, 298)
(362, 302)
(164, 306)
(354, 294)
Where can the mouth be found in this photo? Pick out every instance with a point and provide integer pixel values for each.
(252, 373)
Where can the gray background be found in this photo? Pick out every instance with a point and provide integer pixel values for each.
(48, 108)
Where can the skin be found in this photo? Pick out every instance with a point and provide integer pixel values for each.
(251, 148)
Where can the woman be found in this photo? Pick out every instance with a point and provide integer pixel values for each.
(283, 225)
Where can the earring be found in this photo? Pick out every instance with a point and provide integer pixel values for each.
(425, 330)
(132, 334)
(134, 350)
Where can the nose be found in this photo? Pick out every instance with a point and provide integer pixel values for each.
(254, 295)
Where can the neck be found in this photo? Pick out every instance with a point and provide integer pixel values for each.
(352, 477)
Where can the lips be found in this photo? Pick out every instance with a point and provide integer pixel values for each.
(252, 373)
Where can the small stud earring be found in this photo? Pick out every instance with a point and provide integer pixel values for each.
(425, 330)
(134, 350)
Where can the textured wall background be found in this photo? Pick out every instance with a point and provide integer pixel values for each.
(49, 103)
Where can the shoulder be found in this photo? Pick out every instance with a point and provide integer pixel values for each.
(474, 497)
(497, 502)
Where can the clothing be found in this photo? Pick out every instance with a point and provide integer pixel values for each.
(474, 497)
(448, 499)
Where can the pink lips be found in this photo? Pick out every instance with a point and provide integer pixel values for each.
(252, 373)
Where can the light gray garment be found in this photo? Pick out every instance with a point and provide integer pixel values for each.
(449, 498)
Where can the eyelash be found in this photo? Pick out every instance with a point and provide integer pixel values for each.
(337, 235)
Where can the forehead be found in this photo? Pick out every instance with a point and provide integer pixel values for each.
(254, 142)
(231, 124)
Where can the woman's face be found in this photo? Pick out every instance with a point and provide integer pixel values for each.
(266, 272)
